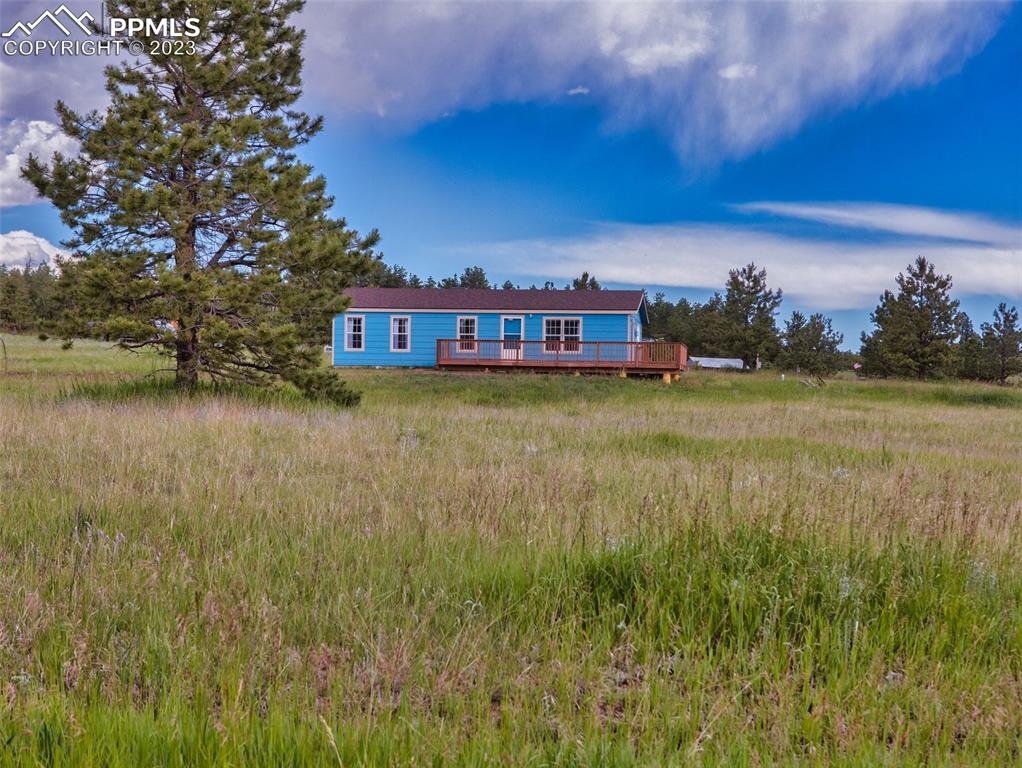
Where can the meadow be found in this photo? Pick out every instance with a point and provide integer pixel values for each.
(475, 569)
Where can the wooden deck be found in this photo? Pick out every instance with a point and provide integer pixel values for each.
(648, 357)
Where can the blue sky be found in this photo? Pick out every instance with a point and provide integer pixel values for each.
(687, 139)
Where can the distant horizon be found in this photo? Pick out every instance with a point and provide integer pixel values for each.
(849, 322)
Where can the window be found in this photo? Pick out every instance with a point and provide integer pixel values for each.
(354, 333)
(552, 327)
(467, 334)
(572, 334)
(562, 334)
(400, 334)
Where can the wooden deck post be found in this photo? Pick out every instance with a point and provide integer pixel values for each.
(667, 378)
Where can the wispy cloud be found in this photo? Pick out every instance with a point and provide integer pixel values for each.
(20, 247)
(722, 79)
(897, 219)
(737, 71)
(827, 272)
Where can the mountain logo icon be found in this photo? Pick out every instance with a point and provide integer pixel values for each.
(70, 21)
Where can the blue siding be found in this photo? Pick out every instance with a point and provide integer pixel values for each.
(427, 327)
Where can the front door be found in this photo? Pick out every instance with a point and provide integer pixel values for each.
(511, 335)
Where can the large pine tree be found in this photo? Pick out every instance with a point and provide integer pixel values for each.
(197, 230)
(915, 327)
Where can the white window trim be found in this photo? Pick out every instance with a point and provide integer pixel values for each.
(465, 345)
(561, 349)
(547, 350)
(345, 331)
(391, 331)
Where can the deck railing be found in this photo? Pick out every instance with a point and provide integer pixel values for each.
(632, 355)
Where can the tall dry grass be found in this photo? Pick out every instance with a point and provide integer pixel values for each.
(519, 569)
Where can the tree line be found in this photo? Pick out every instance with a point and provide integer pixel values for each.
(741, 323)
(29, 300)
(383, 275)
(919, 330)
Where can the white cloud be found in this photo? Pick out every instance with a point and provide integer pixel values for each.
(578, 90)
(19, 247)
(898, 219)
(820, 272)
(737, 71)
(19, 139)
(722, 79)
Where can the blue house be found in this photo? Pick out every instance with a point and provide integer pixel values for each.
(489, 328)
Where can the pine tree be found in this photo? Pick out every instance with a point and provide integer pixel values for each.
(42, 285)
(381, 275)
(968, 350)
(674, 322)
(748, 315)
(915, 328)
(1002, 343)
(473, 277)
(197, 231)
(810, 345)
(585, 282)
(709, 331)
(16, 312)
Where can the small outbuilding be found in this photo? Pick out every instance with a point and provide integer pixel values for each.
(719, 362)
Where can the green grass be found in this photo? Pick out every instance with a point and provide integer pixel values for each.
(526, 390)
(162, 388)
(512, 570)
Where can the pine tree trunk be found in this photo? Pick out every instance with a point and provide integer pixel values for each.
(187, 369)
(187, 373)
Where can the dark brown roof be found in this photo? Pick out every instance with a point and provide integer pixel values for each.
(531, 300)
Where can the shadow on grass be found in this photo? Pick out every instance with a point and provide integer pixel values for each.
(164, 389)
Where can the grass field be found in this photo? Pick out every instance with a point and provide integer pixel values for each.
(511, 570)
